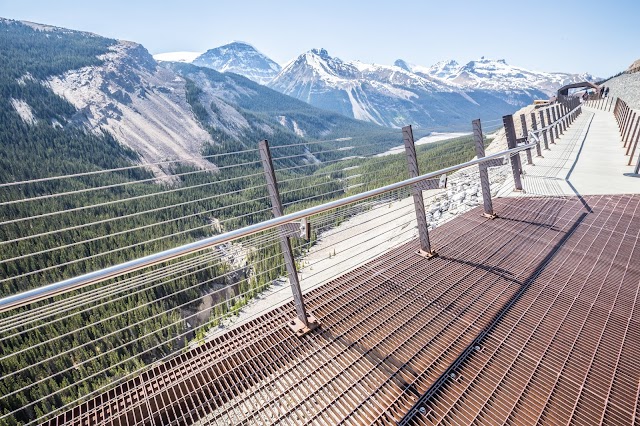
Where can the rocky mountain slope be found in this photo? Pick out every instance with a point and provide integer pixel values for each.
(234, 102)
(142, 105)
(626, 86)
(239, 58)
(388, 95)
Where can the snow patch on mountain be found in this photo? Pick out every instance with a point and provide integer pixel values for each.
(498, 75)
(442, 69)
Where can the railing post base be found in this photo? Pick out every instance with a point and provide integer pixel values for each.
(516, 167)
(427, 254)
(302, 324)
(418, 201)
(490, 215)
(299, 328)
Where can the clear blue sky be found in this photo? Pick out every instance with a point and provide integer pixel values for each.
(560, 35)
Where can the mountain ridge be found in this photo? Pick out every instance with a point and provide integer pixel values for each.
(391, 95)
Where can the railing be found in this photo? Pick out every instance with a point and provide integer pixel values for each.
(65, 342)
(628, 121)
(601, 103)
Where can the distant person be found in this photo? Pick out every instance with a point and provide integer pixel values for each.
(606, 92)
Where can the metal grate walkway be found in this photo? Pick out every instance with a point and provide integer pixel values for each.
(529, 318)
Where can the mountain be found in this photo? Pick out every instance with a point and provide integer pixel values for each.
(387, 95)
(440, 70)
(234, 102)
(239, 58)
(489, 74)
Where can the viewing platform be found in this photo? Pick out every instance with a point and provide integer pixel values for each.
(522, 309)
(531, 317)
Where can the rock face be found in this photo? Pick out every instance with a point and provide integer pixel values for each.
(634, 67)
(627, 87)
(240, 58)
(142, 105)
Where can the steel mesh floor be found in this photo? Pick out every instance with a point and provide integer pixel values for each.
(529, 318)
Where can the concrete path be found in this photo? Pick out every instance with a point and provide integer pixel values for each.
(587, 159)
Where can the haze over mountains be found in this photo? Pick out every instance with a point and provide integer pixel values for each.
(444, 94)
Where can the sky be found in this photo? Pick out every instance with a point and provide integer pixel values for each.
(560, 35)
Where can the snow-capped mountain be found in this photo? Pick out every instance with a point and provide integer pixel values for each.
(489, 74)
(239, 58)
(442, 69)
(386, 95)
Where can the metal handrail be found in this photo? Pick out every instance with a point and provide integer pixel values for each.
(75, 283)
(535, 134)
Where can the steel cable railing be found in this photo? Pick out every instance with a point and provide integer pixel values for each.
(160, 293)
(95, 277)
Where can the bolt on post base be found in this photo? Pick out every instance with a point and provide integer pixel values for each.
(427, 254)
(490, 216)
(300, 328)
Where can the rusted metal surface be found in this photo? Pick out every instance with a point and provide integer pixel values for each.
(541, 300)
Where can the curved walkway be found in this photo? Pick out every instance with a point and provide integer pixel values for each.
(588, 159)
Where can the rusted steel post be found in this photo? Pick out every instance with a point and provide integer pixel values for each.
(544, 132)
(550, 126)
(484, 174)
(625, 118)
(525, 134)
(616, 110)
(634, 137)
(555, 121)
(560, 122)
(418, 201)
(625, 121)
(516, 167)
(534, 126)
(304, 322)
(627, 129)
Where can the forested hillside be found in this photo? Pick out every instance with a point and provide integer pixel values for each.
(47, 139)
